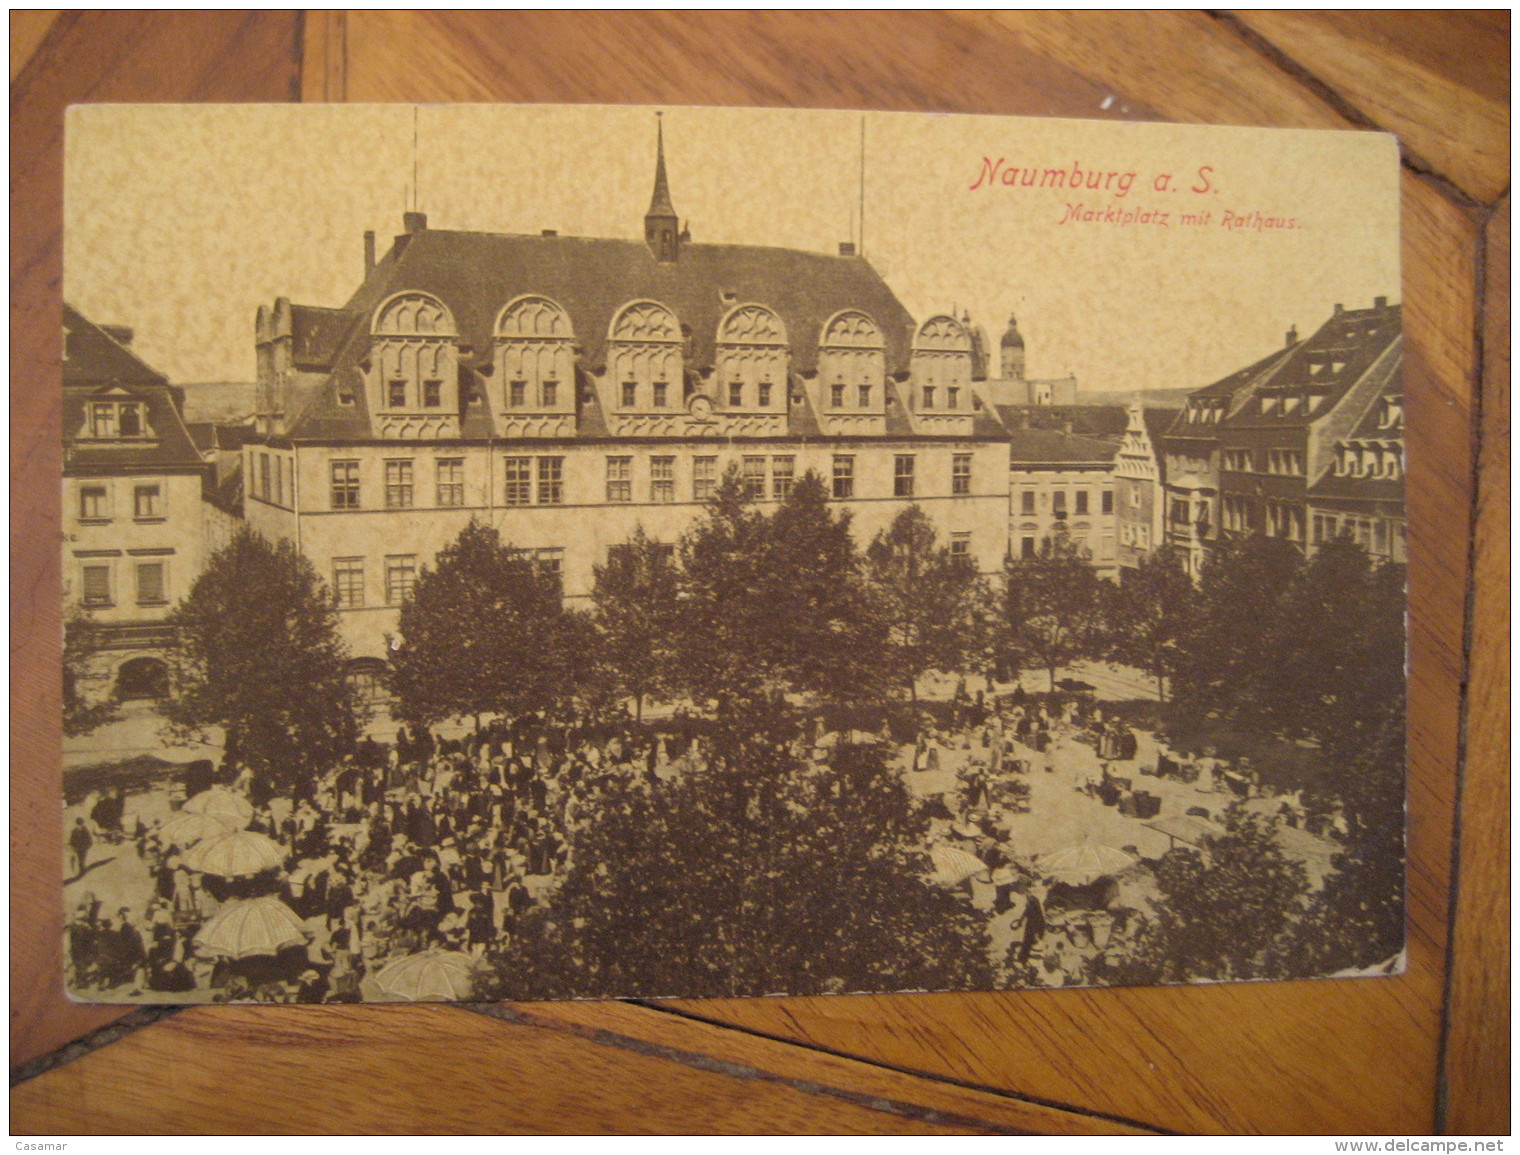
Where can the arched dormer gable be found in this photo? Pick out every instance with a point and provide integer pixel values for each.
(942, 333)
(645, 363)
(414, 367)
(850, 329)
(751, 324)
(942, 363)
(852, 366)
(532, 317)
(413, 314)
(534, 356)
(751, 360)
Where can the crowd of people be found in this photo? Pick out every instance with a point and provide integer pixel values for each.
(447, 844)
(424, 843)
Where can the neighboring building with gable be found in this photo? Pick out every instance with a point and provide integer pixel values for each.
(1139, 477)
(568, 389)
(135, 524)
(1062, 481)
(1362, 493)
(1283, 438)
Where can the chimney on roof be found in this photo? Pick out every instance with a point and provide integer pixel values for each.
(369, 251)
(846, 248)
(1339, 308)
(414, 222)
(1292, 337)
(1379, 302)
(548, 232)
(121, 334)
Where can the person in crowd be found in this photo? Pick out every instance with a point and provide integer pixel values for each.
(80, 841)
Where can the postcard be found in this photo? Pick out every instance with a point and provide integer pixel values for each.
(576, 552)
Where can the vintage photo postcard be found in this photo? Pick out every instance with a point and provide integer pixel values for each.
(564, 552)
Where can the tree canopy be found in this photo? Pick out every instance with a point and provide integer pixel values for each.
(260, 655)
(1054, 604)
(482, 632)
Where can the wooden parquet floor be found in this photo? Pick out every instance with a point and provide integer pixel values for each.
(1428, 1051)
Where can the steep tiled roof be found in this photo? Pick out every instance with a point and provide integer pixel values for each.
(476, 274)
(1084, 420)
(1047, 446)
(1335, 358)
(96, 366)
(94, 357)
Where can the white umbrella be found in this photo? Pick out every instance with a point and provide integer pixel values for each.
(954, 865)
(432, 975)
(247, 927)
(235, 854)
(1084, 863)
(184, 829)
(219, 802)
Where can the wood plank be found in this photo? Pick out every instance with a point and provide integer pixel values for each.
(95, 56)
(1427, 76)
(446, 1070)
(906, 60)
(28, 28)
(625, 1024)
(1477, 1057)
(1188, 66)
(324, 55)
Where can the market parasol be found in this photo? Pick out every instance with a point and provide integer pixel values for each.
(1084, 863)
(235, 854)
(439, 975)
(247, 927)
(231, 807)
(954, 865)
(184, 829)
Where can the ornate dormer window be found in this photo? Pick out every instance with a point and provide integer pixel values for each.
(415, 357)
(535, 351)
(643, 347)
(752, 356)
(941, 357)
(851, 352)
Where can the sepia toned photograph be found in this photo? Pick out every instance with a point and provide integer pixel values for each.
(583, 552)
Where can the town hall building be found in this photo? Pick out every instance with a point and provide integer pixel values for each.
(567, 390)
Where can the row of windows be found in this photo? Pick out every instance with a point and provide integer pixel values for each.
(400, 572)
(273, 479)
(540, 480)
(396, 390)
(1080, 499)
(1287, 404)
(1373, 461)
(147, 503)
(97, 581)
(1373, 534)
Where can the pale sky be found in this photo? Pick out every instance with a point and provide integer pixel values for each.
(180, 220)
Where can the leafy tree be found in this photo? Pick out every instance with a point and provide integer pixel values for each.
(81, 639)
(1055, 606)
(771, 605)
(1222, 909)
(931, 602)
(481, 633)
(260, 655)
(820, 635)
(1357, 919)
(723, 622)
(705, 886)
(1152, 611)
(1226, 659)
(636, 616)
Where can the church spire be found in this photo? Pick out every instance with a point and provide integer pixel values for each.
(661, 225)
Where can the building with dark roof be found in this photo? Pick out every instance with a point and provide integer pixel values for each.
(568, 389)
(135, 522)
(1248, 451)
(1062, 483)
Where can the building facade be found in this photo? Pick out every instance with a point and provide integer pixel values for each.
(1061, 482)
(567, 390)
(1302, 445)
(1139, 481)
(135, 522)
